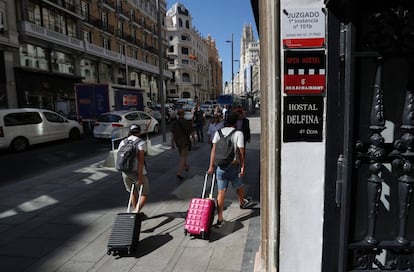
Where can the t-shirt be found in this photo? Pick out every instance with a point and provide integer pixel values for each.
(141, 146)
(237, 137)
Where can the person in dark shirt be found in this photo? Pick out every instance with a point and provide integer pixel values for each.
(199, 120)
(243, 125)
(180, 137)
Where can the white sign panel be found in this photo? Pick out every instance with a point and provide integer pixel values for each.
(303, 28)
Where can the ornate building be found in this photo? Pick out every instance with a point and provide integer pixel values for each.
(193, 59)
(66, 42)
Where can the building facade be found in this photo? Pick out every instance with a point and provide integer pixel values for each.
(192, 60)
(62, 43)
(246, 81)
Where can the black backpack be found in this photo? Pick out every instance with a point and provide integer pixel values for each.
(126, 156)
(224, 150)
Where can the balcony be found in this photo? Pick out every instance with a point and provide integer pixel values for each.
(35, 31)
(32, 30)
(109, 4)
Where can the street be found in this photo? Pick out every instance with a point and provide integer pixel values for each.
(61, 218)
(43, 157)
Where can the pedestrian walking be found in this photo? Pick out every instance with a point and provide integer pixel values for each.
(232, 171)
(199, 121)
(213, 126)
(138, 174)
(243, 125)
(181, 131)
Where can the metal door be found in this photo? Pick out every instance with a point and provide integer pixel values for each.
(370, 157)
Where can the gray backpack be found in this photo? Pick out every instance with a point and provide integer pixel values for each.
(126, 156)
(224, 149)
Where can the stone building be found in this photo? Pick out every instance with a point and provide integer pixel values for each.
(61, 43)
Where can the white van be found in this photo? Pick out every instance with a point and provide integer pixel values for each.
(22, 127)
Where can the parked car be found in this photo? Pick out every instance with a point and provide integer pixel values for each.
(188, 112)
(170, 112)
(22, 127)
(115, 124)
(208, 109)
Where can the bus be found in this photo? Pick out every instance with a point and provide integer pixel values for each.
(233, 101)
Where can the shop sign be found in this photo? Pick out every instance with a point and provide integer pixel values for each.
(303, 118)
(303, 28)
(304, 72)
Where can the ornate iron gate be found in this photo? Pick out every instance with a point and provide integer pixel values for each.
(376, 168)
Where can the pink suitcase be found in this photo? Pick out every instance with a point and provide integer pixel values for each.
(200, 213)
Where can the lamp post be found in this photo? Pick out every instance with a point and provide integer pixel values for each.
(232, 62)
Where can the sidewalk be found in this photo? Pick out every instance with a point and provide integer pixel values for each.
(61, 220)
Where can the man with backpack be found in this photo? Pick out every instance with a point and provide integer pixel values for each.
(131, 162)
(227, 155)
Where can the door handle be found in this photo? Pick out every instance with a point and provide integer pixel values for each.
(339, 180)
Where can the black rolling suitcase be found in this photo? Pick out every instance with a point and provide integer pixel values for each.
(125, 231)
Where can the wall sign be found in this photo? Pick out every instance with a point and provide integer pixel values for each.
(304, 72)
(303, 28)
(303, 118)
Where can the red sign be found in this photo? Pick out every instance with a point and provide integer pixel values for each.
(300, 43)
(304, 72)
(129, 100)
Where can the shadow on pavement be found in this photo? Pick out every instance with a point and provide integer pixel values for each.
(231, 226)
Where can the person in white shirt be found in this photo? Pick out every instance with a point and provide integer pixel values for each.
(215, 125)
(231, 173)
(139, 176)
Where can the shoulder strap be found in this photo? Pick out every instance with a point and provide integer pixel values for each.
(220, 133)
(231, 133)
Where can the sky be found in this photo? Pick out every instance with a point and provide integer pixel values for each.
(221, 18)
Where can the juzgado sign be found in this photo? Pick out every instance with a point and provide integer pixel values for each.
(304, 72)
(303, 28)
(303, 118)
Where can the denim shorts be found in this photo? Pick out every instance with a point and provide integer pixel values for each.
(228, 174)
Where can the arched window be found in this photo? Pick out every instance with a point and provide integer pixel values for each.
(185, 77)
(180, 22)
(187, 24)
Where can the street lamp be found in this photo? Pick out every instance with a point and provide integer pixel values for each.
(232, 62)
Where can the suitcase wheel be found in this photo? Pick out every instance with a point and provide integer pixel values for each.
(204, 235)
(185, 232)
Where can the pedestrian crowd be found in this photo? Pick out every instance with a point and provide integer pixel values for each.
(228, 124)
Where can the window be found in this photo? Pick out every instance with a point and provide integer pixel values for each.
(54, 21)
(104, 20)
(180, 22)
(34, 13)
(87, 36)
(62, 63)
(22, 118)
(88, 68)
(184, 50)
(2, 21)
(185, 38)
(32, 56)
(53, 118)
(85, 9)
(186, 77)
(106, 43)
(120, 29)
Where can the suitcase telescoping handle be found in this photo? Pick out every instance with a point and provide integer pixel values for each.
(130, 196)
(205, 185)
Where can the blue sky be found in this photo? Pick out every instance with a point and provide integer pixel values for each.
(221, 18)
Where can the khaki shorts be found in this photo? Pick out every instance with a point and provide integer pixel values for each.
(133, 177)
